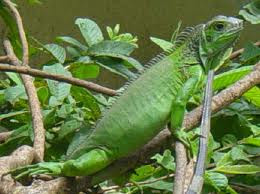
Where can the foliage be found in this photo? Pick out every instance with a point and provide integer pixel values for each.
(251, 12)
(70, 111)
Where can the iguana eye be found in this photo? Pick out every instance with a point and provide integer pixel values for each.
(219, 26)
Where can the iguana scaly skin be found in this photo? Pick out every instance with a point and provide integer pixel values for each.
(158, 96)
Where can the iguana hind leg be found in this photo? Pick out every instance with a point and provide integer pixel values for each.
(87, 164)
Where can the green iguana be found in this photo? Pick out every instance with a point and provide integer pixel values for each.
(158, 96)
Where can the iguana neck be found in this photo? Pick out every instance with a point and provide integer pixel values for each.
(189, 51)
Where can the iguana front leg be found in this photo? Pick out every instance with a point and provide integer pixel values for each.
(180, 102)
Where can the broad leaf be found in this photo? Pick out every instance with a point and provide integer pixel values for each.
(165, 45)
(225, 79)
(20, 136)
(43, 94)
(251, 12)
(71, 41)
(160, 185)
(253, 96)
(90, 31)
(83, 96)
(68, 128)
(11, 114)
(111, 47)
(237, 154)
(167, 160)
(56, 51)
(58, 89)
(142, 173)
(83, 70)
(14, 94)
(238, 169)
(251, 52)
(14, 77)
(252, 141)
(217, 180)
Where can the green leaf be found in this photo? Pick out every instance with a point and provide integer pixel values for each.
(254, 129)
(251, 141)
(83, 70)
(68, 128)
(225, 79)
(238, 169)
(111, 47)
(14, 77)
(237, 154)
(43, 94)
(253, 96)
(142, 173)
(160, 185)
(225, 160)
(251, 12)
(14, 94)
(11, 114)
(229, 139)
(216, 180)
(58, 89)
(165, 45)
(49, 118)
(251, 51)
(65, 111)
(74, 53)
(71, 41)
(83, 96)
(20, 136)
(166, 160)
(117, 68)
(56, 51)
(109, 62)
(90, 31)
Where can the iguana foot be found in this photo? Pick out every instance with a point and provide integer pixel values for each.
(49, 168)
(182, 136)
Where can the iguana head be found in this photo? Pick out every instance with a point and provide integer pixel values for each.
(218, 35)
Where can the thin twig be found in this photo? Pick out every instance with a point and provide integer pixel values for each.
(62, 78)
(34, 104)
(21, 31)
(4, 59)
(137, 183)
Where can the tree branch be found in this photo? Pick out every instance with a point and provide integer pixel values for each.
(181, 164)
(4, 136)
(74, 81)
(34, 104)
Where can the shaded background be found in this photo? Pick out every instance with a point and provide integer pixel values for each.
(143, 18)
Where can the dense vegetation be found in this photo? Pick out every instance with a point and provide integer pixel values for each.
(69, 110)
